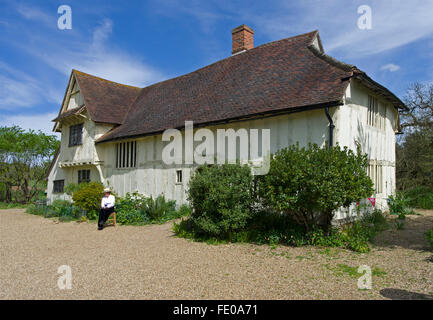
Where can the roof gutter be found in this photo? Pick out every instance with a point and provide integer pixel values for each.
(260, 115)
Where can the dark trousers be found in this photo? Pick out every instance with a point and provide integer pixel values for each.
(103, 215)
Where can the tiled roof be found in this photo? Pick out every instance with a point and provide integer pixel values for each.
(288, 75)
(277, 76)
(69, 113)
(106, 101)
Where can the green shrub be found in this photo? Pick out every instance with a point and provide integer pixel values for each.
(131, 209)
(398, 205)
(71, 188)
(309, 184)
(221, 199)
(88, 197)
(133, 217)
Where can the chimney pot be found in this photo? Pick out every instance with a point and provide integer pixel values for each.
(242, 39)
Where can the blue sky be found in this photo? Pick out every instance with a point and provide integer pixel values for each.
(143, 42)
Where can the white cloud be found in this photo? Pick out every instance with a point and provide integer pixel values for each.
(35, 14)
(97, 56)
(27, 121)
(390, 67)
(18, 89)
(393, 25)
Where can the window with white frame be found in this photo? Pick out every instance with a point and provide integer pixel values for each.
(126, 154)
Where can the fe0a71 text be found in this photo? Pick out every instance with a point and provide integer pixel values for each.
(233, 309)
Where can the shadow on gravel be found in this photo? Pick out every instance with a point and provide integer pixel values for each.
(399, 294)
(410, 237)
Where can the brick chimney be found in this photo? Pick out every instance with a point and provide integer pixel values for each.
(242, 39)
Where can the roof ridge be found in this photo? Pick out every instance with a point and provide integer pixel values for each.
(204, 67)
(99, 78)
(332, 61)
(235, 55)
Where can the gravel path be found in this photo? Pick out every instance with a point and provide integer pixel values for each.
(148, 262)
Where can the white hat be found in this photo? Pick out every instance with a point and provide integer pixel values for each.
(107, 190)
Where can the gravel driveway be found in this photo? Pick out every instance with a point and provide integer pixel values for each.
(148, 262)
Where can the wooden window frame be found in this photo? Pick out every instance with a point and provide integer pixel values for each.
(57, 188)
(76, 135)
(84, 175)
(126, 155)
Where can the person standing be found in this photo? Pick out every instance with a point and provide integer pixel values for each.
(107, 208)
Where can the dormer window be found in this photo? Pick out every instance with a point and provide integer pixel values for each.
(76, 135)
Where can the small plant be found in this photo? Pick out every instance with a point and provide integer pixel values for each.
(399, 223)
(429, 237)
(399, 205)
(158, 208)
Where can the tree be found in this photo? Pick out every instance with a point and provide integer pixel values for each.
(24, 160)
(309, 184)
(414, 155)
(419, 116)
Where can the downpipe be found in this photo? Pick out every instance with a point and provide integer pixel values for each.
(331, 128)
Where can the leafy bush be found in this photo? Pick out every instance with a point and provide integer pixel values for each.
(130, 209)
(398, 205)
(309, 184)
(88, 197)
(221, 198)
(71, 188)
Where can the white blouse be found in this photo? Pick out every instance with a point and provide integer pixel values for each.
(107, 202)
